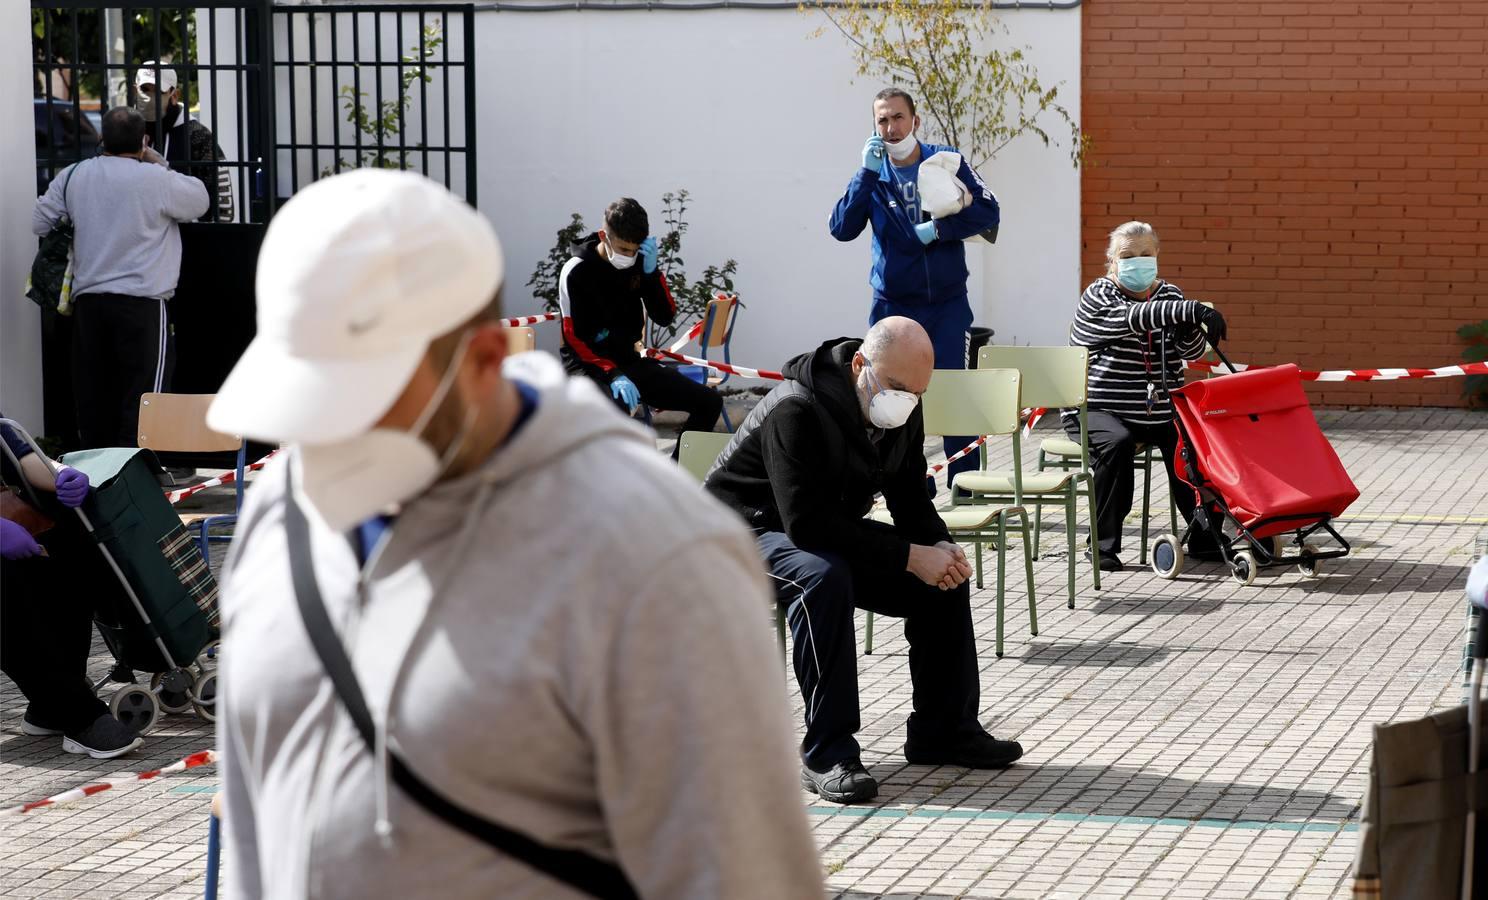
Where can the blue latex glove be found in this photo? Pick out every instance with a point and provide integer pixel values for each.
(16, 542)
(648, 255)
(873, 153)
(72, 487)
(925, 231)
(603, 333)
(623, 388)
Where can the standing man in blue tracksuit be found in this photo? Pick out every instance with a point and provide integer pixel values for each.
(919, 264)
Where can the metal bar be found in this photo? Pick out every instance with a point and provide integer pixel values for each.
(77, 94)
(240, 118)
(444, 55)
(402, 136)
(266, 88)
(186, 69)
(436, 148)
(148, 4)
(423, 94)
(336, 112)
(212, 51)
(470, 125)
(377, 54)
(159, 135)
(294, 159)
(356, 85)
(314, 112)
(51, 119)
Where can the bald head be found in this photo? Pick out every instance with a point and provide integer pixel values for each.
(900, 354)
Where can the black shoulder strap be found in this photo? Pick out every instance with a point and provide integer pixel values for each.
(574, 868)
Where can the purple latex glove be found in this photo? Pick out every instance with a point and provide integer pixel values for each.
(72, 487)
(16, 542)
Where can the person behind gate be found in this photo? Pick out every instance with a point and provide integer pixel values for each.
(127, 245)
(803, 470)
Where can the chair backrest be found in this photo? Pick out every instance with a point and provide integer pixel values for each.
(699, 450)
(718, 321)
(521, 340)
(177, 423)
(972, 401)
(1052, 377)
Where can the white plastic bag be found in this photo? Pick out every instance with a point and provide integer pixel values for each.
(941, 192)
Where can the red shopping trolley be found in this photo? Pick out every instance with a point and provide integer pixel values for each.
(1265, 477)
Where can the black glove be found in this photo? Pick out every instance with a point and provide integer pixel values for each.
(1213, 323)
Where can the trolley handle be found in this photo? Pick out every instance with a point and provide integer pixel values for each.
(51, 467)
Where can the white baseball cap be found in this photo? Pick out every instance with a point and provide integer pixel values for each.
(145, 74)
(357, 275)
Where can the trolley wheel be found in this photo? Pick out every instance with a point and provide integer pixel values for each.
(1278, 545)
(1309, 566)
(204, 696)
(173, 689)
(136, 706)
(1167, 556)
(1243, 568)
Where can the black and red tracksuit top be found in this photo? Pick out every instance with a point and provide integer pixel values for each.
(602, 310)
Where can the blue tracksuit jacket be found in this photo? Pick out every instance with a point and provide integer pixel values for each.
(906, 272)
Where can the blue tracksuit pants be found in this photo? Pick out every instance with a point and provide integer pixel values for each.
(949, 324)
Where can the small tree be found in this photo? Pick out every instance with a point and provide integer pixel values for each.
(974, 96)
(383, 125)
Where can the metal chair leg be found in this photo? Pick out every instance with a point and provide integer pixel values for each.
(1028, 574)
(1069, 532)
(1094, 530)
(1001, 572)
(1146, 500)
(1038, 513)
(868, 638)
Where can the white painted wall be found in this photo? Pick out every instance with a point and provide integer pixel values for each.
(764, 127)
(20, 326)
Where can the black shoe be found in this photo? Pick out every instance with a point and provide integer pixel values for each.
(106, 738)
(973, 751)
(845, 782)
(1204, 553)
(1109, 562)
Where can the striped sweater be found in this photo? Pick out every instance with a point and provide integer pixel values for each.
(1125, 336)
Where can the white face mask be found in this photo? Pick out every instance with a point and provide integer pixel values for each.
(902, 149)
(618, 259)
(350, 481)
(152, 107)
(888, 409)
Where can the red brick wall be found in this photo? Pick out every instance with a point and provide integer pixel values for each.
(1317, 168)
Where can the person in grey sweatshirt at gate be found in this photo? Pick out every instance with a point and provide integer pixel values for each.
(470, 527)
(125, 206)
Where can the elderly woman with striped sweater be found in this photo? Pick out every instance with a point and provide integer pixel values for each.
(1127, 318)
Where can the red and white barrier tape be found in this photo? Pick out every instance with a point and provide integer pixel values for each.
(175, 497)
(969, 448)
(741, 371)
(1456, 371)
(692, 334)
(199, 758)
(519, 321)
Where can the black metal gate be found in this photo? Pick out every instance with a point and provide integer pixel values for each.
(289, 94)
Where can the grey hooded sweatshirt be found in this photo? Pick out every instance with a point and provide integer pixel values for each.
(572, 641)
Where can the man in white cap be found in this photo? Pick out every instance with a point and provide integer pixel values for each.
(185, 143)
(447, 659)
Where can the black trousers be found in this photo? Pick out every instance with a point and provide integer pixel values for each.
(46, 633)
(821, 591)
(1113, 452)
(122, 347)
(663, 387)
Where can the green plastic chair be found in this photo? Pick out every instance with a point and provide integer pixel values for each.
(699, 451)
(979, 401)
(1053, 378)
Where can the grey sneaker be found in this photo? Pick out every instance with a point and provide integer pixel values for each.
(845, 782)
(106, 738)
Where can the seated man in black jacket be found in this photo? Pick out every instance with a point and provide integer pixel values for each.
(803, 470)
(601, 292)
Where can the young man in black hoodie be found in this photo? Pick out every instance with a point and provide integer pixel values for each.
(601, 293)
(803, 470)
